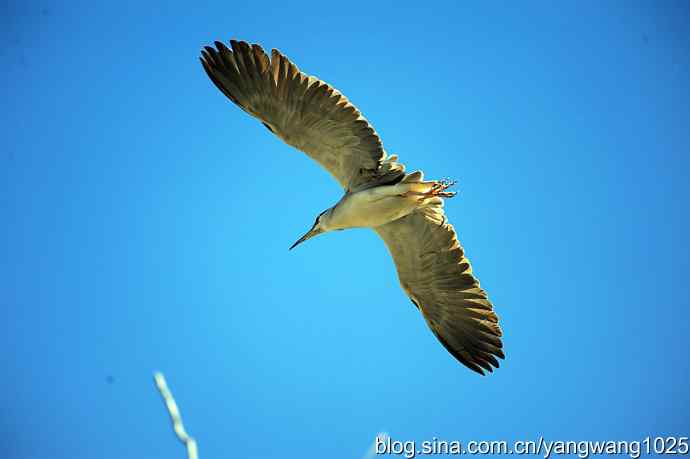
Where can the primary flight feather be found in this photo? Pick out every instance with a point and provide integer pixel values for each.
(404, 209)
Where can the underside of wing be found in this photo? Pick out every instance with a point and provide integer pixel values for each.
(303, 111)
(436, 275)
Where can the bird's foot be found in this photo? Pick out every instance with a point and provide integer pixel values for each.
(440, 187)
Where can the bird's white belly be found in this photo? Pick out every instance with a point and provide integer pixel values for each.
(371, 208)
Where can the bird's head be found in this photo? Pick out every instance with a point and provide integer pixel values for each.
(320, 226)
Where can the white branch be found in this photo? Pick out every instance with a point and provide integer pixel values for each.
(175, 416)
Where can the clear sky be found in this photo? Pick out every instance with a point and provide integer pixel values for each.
(145, 222)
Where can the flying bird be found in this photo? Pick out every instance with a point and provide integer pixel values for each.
(404, 209)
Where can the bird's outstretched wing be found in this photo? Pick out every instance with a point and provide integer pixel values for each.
(436, 275)
(304, 111)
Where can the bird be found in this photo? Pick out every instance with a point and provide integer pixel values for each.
(404, 209)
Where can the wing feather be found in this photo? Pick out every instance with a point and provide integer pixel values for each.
(303, 111)
(438, 278)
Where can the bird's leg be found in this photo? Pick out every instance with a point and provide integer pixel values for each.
(438, 188)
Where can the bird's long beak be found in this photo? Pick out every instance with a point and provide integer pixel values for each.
(310, 234)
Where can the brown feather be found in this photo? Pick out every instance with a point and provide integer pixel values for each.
(304, 111)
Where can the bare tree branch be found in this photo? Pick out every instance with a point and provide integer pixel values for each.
(175, 416)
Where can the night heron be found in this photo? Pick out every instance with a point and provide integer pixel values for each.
(404, 209)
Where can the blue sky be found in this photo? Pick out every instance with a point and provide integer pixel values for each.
(135, 233)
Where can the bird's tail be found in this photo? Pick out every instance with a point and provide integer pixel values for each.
(429, 194)
(414, 184)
